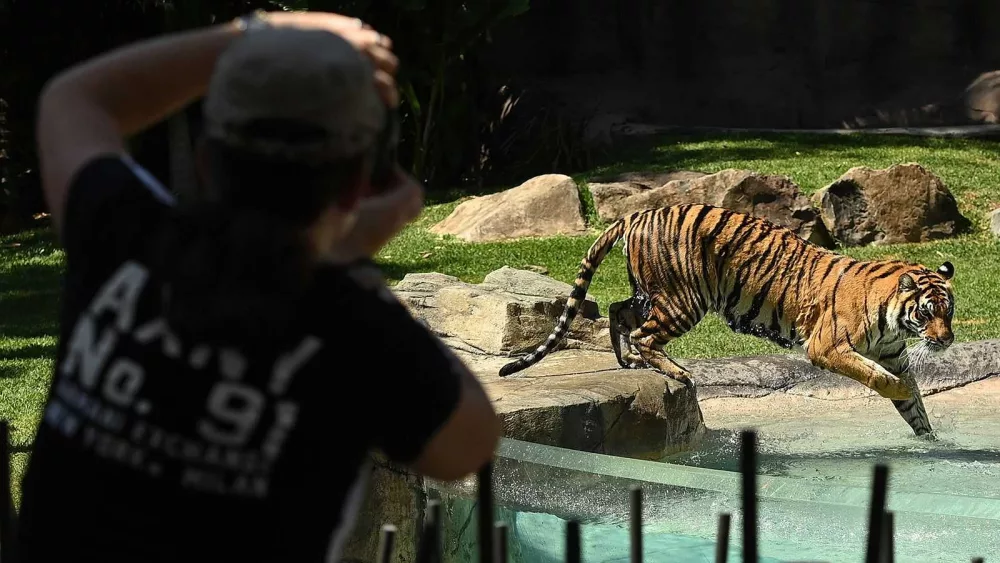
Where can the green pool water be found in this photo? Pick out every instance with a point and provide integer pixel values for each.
(813, 501)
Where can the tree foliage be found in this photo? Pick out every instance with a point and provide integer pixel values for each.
(449, 102)
(447, 105)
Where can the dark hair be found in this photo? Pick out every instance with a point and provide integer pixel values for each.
(236, 258)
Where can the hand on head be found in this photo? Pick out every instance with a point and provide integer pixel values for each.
(382, 216)
(373, 44)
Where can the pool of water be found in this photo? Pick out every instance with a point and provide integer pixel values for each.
(957, 463)
(813, 501)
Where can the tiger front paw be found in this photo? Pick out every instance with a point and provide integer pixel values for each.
(892, 387)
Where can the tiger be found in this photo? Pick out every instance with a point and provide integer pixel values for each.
(850, 317)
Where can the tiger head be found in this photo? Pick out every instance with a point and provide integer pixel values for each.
(927, 304)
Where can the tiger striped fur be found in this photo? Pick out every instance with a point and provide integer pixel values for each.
(851, 317)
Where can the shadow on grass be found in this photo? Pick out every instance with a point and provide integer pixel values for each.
(667, 152)
(30, 297)
(679, 151)
(31, 352)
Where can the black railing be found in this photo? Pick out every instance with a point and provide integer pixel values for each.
(880, 544)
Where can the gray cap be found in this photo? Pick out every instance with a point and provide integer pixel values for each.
(309, 76)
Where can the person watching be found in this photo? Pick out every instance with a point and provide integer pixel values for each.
(223, 369)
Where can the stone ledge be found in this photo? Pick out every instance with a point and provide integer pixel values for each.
(630, 413)
(758, 376)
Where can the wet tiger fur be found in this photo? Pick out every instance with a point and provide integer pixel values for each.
(851, 317)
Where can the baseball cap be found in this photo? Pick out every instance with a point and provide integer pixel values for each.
(309, 77)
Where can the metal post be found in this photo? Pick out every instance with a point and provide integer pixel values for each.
(387, 542)
(748, 469)
(722, 539)
(889, 537)
(485, 494)
(636, 524)
(500, 543)
(876, 514)
(573, 542)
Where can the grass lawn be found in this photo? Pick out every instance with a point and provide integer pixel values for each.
(30, 264)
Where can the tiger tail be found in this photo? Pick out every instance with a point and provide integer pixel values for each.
(588, 267)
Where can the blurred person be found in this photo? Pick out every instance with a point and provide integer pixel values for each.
(223, 371)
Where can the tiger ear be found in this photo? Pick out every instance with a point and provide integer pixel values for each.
(906, 283)
(947, 270)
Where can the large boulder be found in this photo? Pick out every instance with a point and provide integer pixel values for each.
(395, 495)
(579, 399)
(543, 206)
(900, 204)
(775, 198)
(982, 98)
(994, 219)
(511, 312)
(613, 195)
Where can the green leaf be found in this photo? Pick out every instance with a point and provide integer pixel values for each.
(516, 8)
(411, 98)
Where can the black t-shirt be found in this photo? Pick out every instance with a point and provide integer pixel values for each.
(156, 449)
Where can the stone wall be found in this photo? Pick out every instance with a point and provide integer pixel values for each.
(757, 63)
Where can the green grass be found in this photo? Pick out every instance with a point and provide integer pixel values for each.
(30, 264)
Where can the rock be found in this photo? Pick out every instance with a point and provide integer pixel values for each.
(963, 363)
(511, 312)
(995, 222)
(775, 198)
(900, 204)
(395, 496)
(647, 180)
(982, 98)
(543, 206)
(579, 399)
(537, 269)
(611, 192)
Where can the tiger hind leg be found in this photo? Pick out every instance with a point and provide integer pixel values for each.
(657, 332)
(624, 319)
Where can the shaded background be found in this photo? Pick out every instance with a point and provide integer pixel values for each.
(497, 90)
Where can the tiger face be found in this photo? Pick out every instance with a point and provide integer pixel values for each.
(927, 305)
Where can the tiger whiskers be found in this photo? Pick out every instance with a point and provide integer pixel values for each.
(916, 354)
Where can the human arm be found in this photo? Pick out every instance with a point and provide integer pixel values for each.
(468, 438)
(434, 415)
(89, 109)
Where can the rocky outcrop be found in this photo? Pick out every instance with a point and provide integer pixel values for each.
(579, 399)
(994, 219)
(512, 311)
(543, 206)
(565, 401)
(963, 363)
(775, 198)
(982, 98)
(900, 204)
(758, 376)
(394, 496)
